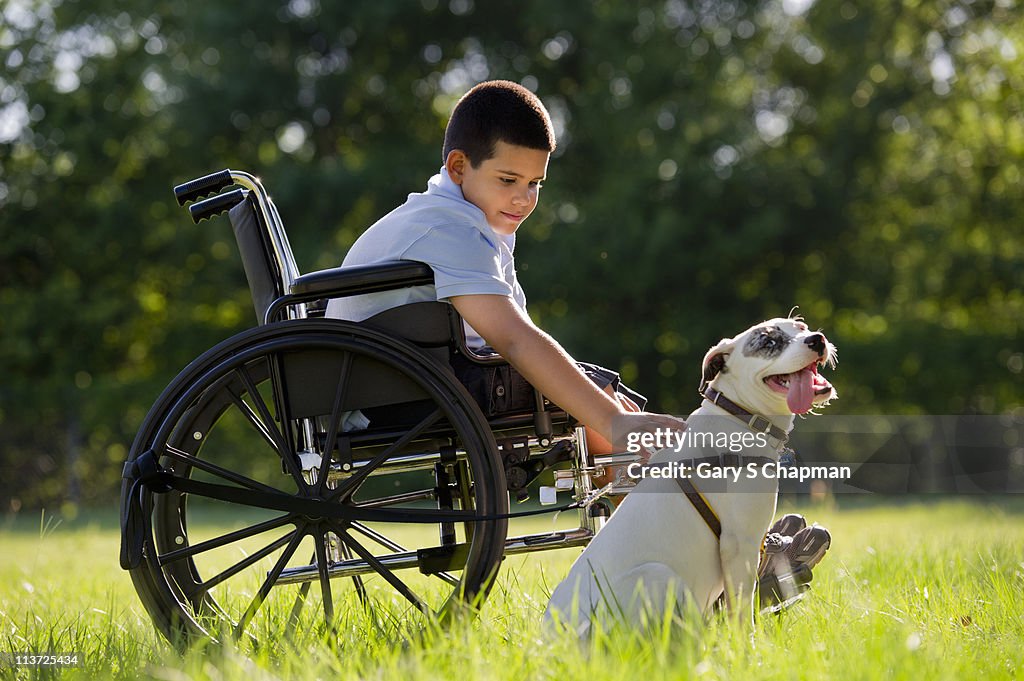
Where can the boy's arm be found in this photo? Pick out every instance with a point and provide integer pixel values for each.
(543, 362)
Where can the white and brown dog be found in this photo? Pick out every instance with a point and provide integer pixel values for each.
(657, 550)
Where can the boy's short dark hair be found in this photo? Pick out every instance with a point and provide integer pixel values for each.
(497, 110)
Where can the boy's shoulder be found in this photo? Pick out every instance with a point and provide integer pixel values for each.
(419, 218)
(439, 213)
(428, 230)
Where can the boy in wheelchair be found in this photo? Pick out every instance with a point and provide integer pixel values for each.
(496, 149)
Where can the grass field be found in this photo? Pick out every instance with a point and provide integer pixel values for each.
(915, 589)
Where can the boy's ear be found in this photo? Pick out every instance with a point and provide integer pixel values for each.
(714, 360)
(456, 164)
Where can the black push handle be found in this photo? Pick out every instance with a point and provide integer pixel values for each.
(202, 186)
(216, 205)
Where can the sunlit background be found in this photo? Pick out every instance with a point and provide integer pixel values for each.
(718, 163)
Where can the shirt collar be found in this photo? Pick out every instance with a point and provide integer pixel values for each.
(443, 185)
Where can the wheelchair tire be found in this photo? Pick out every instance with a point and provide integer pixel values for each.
(242, 418)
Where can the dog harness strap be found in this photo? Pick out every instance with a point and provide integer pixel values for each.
(701, 505)
(756, 422)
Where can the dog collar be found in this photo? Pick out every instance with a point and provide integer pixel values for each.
(756, 422)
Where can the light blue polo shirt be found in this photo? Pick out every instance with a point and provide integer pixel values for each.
(442, 229)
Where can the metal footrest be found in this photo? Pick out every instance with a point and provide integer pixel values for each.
(437, 559)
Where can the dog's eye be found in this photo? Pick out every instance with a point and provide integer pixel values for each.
(769, 342)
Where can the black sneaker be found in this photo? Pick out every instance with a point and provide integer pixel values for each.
(785, 571)
(788, 525)
(808, 546)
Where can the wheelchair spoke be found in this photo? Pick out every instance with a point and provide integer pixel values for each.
(253, 418)
(357, 581)
(394, 547)
(202, 464)
(268, 583)
(348, 487)
(383, 571)
(384, 541)
(295, 614)
(223, 540)
(362, 529)
(246, 562)
(323, 570)
(403, 498)
(281, 444)
(335, 423)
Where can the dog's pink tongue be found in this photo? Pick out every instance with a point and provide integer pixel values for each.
(801, 391)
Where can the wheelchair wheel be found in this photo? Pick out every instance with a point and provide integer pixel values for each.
(270, 495)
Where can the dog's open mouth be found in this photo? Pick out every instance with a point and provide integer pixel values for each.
(800, 387)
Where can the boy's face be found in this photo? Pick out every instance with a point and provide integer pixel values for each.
(505, 187)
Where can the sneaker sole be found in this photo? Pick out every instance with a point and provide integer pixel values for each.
(809, 546)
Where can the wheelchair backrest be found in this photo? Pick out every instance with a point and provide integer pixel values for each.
(263, 274)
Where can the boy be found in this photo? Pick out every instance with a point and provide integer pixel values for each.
(496, 149)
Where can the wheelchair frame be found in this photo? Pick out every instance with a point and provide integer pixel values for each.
(293, 380)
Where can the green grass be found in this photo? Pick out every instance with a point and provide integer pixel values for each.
(915, 590)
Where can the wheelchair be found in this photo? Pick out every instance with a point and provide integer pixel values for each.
(312, 450)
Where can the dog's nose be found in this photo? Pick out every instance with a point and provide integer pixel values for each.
(816, 342)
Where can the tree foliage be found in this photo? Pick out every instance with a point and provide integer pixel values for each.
(718, 163)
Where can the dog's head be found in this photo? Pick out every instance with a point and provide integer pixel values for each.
(772, 367)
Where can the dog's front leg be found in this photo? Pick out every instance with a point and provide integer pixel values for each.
(739, 573)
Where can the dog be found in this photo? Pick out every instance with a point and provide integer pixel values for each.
(657, 550)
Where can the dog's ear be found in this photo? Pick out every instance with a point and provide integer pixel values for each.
(714, 360)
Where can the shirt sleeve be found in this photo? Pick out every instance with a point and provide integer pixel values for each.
(463, 260)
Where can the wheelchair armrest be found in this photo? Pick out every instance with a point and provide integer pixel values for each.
(349, 281)
(482, 358)
(339, 282)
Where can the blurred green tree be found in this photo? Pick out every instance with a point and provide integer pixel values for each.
(719, 163)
